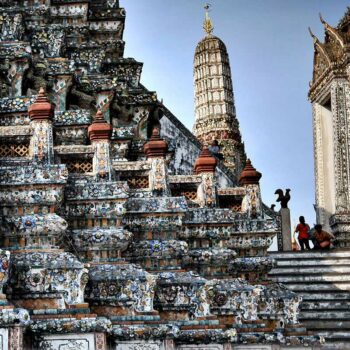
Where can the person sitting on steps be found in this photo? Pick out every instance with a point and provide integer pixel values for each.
(322, 239)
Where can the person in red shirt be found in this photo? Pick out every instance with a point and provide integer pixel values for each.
(303, 236)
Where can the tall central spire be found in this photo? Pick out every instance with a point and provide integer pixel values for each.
(214, 103)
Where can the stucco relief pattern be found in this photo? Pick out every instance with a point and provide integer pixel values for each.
(122, 250)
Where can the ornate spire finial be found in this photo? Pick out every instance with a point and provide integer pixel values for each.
(313, 35)
(99, 118)
(41, 91)
(41, 109)
(249, 175)
(205, 163)
(156, 147)
(99, 129)
(321, 18)
(208, 24)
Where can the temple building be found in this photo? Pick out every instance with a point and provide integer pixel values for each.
(215, 112)
(119, 228)
(321, 278)
(330, 97)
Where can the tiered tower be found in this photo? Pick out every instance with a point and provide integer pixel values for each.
(215, 111)
(330, 97)
(113, 245)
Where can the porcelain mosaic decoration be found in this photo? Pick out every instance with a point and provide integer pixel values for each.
(119, 229)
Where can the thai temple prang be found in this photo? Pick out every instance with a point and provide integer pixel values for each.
(330, 97)
(118, 229)
(215, 112)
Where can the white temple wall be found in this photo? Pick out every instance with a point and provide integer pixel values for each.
(324, 163)
(202, 347)
(140, 345)
(187, 150)
(4, 339)
(84, 341)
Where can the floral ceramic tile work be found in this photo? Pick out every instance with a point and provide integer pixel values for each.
(118, 231)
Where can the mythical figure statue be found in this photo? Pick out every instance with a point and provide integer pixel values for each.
(283, 198)
(35, 78)
(81, 95)
(155, 114)
(5, 83)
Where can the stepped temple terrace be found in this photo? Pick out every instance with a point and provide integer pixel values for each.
(120, 229)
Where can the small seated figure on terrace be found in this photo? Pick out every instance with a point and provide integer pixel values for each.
(322, 239)
(215, 150)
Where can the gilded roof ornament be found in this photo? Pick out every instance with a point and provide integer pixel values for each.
(334, 32)
(208, 24)
(315, 39)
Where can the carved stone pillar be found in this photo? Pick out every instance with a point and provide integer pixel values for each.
(340, 94)
(340, 104)
(41, 115)
(252, 203)
(331, 118)
(286, 229)
(99, 133)
(100, 340)
(205, 166)
(15, 340)
(324, 173)
(169, 344)
(155, 150)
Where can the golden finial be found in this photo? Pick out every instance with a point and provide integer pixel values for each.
(208, 24)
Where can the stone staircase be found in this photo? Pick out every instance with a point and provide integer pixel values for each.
(322, 279)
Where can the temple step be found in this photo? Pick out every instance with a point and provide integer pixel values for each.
(322, 279)
(326, 305)
(322, 315)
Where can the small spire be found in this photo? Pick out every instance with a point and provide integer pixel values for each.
(205, 163)
(321, 18)
(42, 96)
(99, 129)
(156, 147)
(41, 91)
(313, 36)
(249, 175)
(208, 24)
(41, 109)
(99, 118)
(155, 134)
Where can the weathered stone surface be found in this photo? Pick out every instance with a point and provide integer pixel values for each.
(112, 236)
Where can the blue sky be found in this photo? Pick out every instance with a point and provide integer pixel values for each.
(271, 56)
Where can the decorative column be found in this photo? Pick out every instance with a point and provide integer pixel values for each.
(62, 84)
(99, 134)
(41, 144)
(286, 226)
(205, 166)
(155, 150)
(15, 75)
(340, 102)
(15, 340)
(249, 179)
(104, 99)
